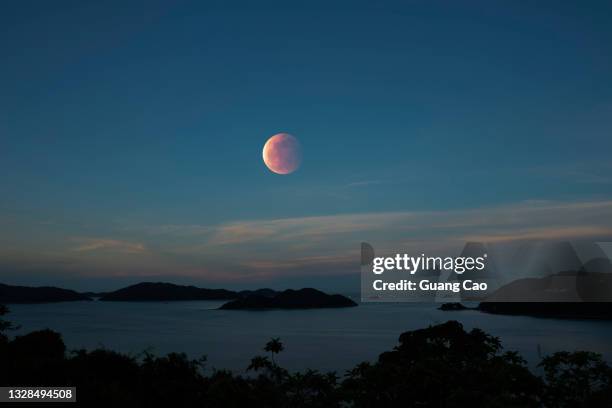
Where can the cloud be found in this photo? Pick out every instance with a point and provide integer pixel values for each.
(544, 234)
(304, 228)
(304, 262)
(190, 230)
(527, 220)
(305, 246)
(581, 173)
(109, 245)
(330, 243)
(365, 183)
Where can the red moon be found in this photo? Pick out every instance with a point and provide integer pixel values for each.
(282, 153)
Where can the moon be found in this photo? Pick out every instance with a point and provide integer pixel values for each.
(282, 153)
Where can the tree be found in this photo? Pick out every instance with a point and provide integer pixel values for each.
(5, 325)
(577, 379)
(258, 363)
(444, 365)
(440, 366)
(274, 346)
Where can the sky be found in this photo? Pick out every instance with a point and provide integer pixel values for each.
(131, 134)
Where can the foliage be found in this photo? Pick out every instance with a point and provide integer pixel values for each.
(444, 366)
(578, 379)
(440, 366)
(274, 346)
(4, 324)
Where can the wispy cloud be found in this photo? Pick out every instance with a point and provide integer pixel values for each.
(544, 234)
(186, 230)
(304, 262)
(581, 173)
(365, 183)
(306, 228)
(326, 244)
(534, 219)
(330, 243)
(112, 245)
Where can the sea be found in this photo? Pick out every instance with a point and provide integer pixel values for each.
(321, 339)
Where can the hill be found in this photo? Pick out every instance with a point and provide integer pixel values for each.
(44, 294)
(557, 310)
(307, 298)
(572, 295)
(161, 291)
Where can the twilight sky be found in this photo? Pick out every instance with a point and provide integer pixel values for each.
(131, 134)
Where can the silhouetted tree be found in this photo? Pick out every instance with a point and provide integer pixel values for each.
(258, 363)
(4, 324)
(274, 346)
(440, 366)
(312, 389)
(36, 358)
(446, 366)
(105, 377)
(578, 379)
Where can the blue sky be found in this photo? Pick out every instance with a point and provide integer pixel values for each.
(123, 119)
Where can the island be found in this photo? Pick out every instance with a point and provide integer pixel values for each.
(306, 298)
(44, 294)
(569, 295)
(162, 291)
(266, 292)
(453, 307)
(557, 310)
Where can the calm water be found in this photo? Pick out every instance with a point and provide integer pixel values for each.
(325, 339)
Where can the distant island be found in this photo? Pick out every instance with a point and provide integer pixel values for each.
(161, 291)
(566, 286)
(266, 292)
(307, 298)
(558, 310)
(258, 299)
(44, 294)
(453, 307)
(564, 295)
